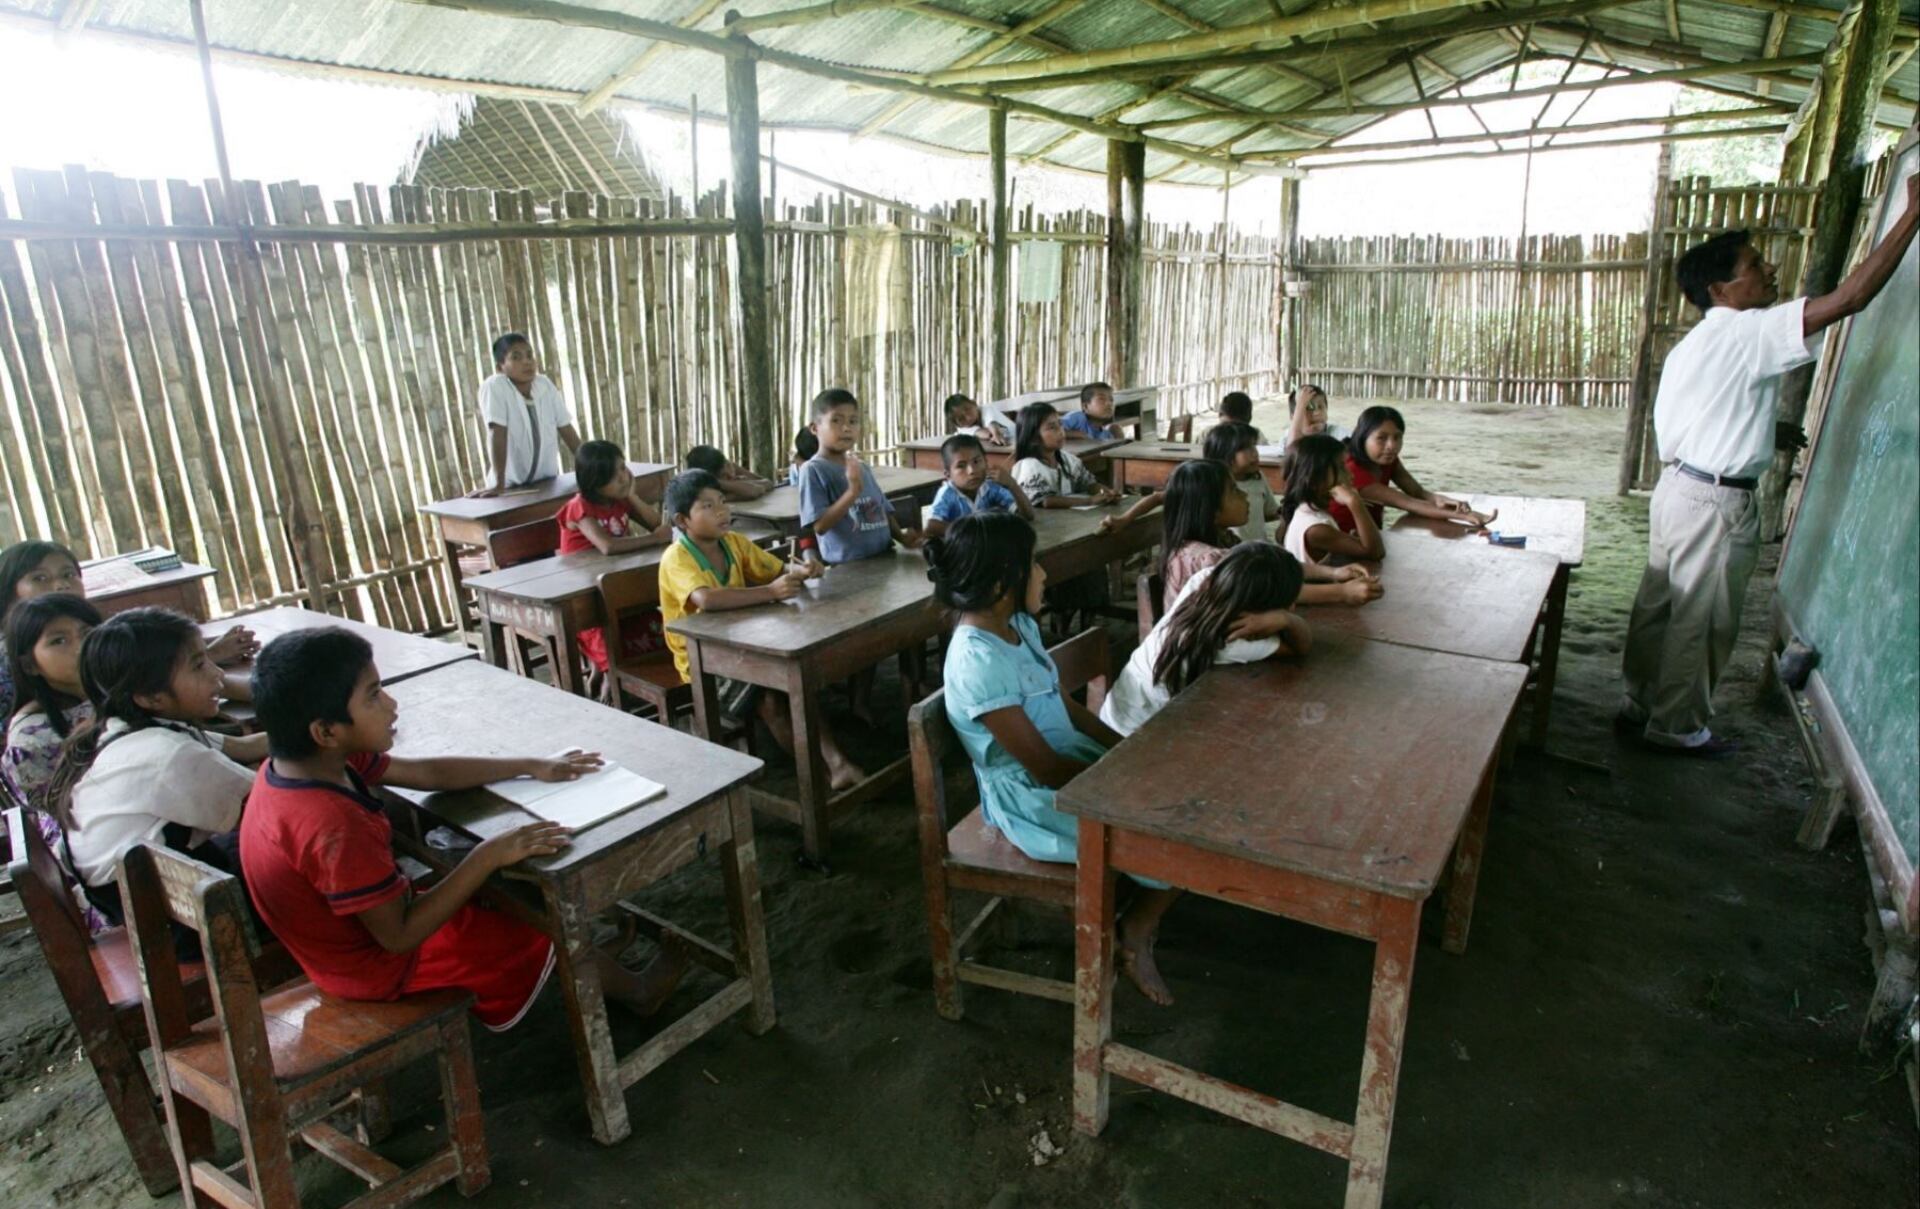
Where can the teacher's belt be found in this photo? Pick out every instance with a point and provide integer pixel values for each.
(1718, 480)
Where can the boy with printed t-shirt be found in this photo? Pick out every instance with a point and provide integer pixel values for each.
(840, 499)
(527, 419)
(317, 849)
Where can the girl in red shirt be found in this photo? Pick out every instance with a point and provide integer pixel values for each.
(608, 515)
(1373, 461)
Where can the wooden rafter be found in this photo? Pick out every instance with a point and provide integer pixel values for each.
(1671, 136)
(810, 13)
(1770, 45)
(603, 91)
(1005, 37)
(1534, 130)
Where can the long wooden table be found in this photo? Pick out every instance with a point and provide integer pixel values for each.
(781, 506)
(1149, 464)
(466, 520)
(924, 454)
(1356, 847)
(473, 709)
(552, 599)
(398, 656)
(856, 616)
(1557, 527)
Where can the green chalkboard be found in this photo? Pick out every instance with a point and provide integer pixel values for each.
(1850, 585)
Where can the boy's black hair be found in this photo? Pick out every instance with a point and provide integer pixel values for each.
(1293, 397)
(503, 344)
(1370, 419)
(26, 621)
(684, 492)
(805, 444)
(951, 447)
(1255, 578)
(1194, 492)
(303, 677)
(832, 397)
(954, 403)
(1710, 264)
(1026, 440)
(1091, 389)
(982, 557)
(595, 464)
(1237, 406)
(1308, 460)
(707, 458)
(17, 560)
(1225, 440)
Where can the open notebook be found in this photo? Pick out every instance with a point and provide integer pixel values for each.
(576, 804)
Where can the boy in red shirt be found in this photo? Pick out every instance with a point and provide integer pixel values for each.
(317, 848)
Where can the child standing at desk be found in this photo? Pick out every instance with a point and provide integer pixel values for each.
(1373, 461)
(966, 419)
(527, 419)
(972, 487)
(839, 501)
(711, 568)
(317, 848)
(1096, 410)
(737, 481)
(1024, 737)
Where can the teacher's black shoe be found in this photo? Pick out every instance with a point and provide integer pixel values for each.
(1715, 748)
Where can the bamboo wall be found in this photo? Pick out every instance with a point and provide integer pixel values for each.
(1554, 322)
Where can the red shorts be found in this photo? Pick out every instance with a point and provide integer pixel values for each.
(501, 960)
(641, 634)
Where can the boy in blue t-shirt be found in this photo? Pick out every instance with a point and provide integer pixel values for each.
(972, 486)
(1096, 409)
(840, 499)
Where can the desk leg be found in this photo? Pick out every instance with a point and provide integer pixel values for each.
(1467, 853)
(1399, 934)
(741, 867)
(564, 656)
(1094, 970)
(493, 638)
(451, 552)
(587, 1015)
(706, 700)
(1550, 654)
(810, 767)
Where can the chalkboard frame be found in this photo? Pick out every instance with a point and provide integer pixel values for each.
(1878, 834)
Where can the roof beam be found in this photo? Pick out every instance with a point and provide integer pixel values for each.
(1182, 17)
(1770, 45)
(809, 14)
(1543, 90)
(1534, 131)
(603, 91)
(1813, 12)
(1275, 29)
(1672, 136)
(1004, 37)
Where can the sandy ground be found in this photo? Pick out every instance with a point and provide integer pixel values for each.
(1659, 1007)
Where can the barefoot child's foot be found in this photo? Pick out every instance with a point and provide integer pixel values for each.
(1139, 967)
(844, 774)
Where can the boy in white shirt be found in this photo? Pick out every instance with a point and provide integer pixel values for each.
(527, 419)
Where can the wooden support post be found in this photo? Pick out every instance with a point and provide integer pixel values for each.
(750, 249)
(307, 535)
(1002, 250)
(1855, 97)
(1220, 297)
(1126, 205)
(1287, 309)
(1640, 402)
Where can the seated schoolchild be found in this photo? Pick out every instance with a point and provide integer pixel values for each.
(973, 486)
(805, 445)
(316, 848)
(1236, 408)
(1232, 612)
(1237, 447)
(1094, 419)
(1317, 479)
(1307, 416)
(737, 481)
(965, 418)
(1025, 738)
(1203, 510)
(1381, 476)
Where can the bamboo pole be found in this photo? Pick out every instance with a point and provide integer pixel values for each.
(1681, 136)
(1126, 189)
(784, 18)
(750, 249)
(1454, 140)
(1002, 254)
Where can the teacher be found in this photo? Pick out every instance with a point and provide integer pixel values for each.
(1715, 427)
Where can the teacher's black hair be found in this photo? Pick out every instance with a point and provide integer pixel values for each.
(1708, 264)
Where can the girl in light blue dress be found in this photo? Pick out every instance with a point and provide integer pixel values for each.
(1024, 736)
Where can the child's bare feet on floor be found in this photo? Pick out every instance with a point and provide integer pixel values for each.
(843, 774)
(1139, 967)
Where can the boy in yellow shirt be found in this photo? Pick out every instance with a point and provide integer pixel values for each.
(710, 567)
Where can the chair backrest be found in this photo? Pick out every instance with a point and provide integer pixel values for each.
(621, 593)
(159, 888)
(1082, 661)
(1180, 428)
(1150, 596)
(523, 543)
(43, 889)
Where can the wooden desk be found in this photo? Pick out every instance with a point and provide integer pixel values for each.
(1149, 464)
(1551, 526)
(781, 506)
(1132, 407)
(472, 709)
(924, 454)
(179, 589)
(552, 599)
(1464, 598)
(1356, 848)
(398, 656)
(466, 521)
(1069, 544)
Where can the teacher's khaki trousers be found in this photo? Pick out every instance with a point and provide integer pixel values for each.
(1702, 544)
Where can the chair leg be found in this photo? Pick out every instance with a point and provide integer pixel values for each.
(947, 998)
(375, 1115)
(466, 1124)
(190, 1137)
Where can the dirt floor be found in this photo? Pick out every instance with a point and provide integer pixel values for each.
(1659, 1007)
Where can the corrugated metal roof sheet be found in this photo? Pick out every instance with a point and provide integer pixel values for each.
(415, 39)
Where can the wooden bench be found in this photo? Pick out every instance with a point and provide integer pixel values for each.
(277, 1066)
(972, 854)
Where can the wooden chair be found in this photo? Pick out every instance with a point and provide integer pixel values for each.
(523, 543)
(1151, 595)
(101, 987)
(653, 678)
(276, 1066)
(1180, 428)
(973, 855)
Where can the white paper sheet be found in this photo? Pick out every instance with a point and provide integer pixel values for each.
(576, 804)
(1270, 451)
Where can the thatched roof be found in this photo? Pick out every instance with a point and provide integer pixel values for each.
(1106, 66)
(547, 149)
